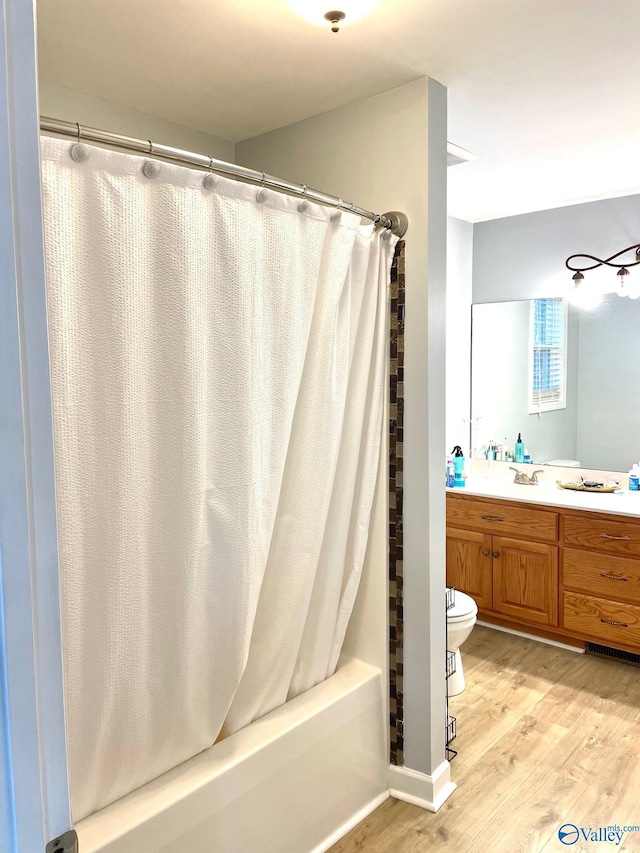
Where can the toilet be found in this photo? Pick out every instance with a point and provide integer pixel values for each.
(460, 621)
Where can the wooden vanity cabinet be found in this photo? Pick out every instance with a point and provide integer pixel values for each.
(601, 579)
(469, 565)
(525, 580)
(511, 575)
(569, 574)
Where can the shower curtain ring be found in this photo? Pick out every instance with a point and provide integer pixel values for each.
(337, 215)
(263, 192)
(211, 179)
(151, 168)
(79, 152)
(304, 204)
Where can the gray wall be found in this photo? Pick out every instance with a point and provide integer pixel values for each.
(68, 105)
(522, 257)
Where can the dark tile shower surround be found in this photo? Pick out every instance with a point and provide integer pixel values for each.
(396, 427)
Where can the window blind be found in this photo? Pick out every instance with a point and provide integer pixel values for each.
(548, 356)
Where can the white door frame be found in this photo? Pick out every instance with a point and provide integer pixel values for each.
(34, 790)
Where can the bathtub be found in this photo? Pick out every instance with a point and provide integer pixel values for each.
(294, 781)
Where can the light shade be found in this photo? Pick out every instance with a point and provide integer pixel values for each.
(314, 11)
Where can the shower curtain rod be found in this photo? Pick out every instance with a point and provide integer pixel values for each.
(393, 220)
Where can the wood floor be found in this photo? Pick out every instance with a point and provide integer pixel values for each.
(545, 737)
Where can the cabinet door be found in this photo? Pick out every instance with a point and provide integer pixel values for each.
(469, 564)
(525, 580)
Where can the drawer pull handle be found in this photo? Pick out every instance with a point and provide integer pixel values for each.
(485, 553)
(615, 538)
(492, 517)
(496, 554)
(618, 624)
(613, 577)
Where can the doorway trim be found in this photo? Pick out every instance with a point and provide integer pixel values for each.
(34, 790)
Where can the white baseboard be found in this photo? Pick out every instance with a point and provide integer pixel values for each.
(549, 642)
(428, 792)
(348, 825)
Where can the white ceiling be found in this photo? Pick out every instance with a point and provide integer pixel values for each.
(542, 91)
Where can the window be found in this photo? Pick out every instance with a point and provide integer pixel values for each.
(548, 359)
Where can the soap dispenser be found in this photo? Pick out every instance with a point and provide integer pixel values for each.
(519, 449)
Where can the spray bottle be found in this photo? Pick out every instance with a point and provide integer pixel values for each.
(458, 466)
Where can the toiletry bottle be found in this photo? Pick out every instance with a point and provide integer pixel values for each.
(634, 479)
(458, 466)
(527, 455)
(519, 449)
(450, 472)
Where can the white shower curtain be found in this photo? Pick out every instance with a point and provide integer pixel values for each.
(218, 372)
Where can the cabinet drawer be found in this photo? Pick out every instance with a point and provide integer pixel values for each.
(597, 618)
(505, 520)
(602, 574)
(611, 536)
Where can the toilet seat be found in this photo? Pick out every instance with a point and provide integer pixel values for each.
(460, 621)
(463, 608)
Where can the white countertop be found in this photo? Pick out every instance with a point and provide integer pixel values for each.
(547, 492)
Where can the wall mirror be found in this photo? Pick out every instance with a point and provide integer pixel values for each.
(566, 377)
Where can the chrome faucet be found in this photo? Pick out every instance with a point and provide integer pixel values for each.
(523, 479)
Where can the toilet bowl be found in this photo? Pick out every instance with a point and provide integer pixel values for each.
(460, 621)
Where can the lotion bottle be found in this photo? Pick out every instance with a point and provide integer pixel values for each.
(519, 449)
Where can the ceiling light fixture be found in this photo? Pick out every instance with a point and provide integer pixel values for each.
(624, 287)
(321, 11)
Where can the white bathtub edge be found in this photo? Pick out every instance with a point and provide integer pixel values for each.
(325, 729)
(350, 824)
(419, 789)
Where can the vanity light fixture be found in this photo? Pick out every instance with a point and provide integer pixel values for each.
(624, 287)
(324, 11)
